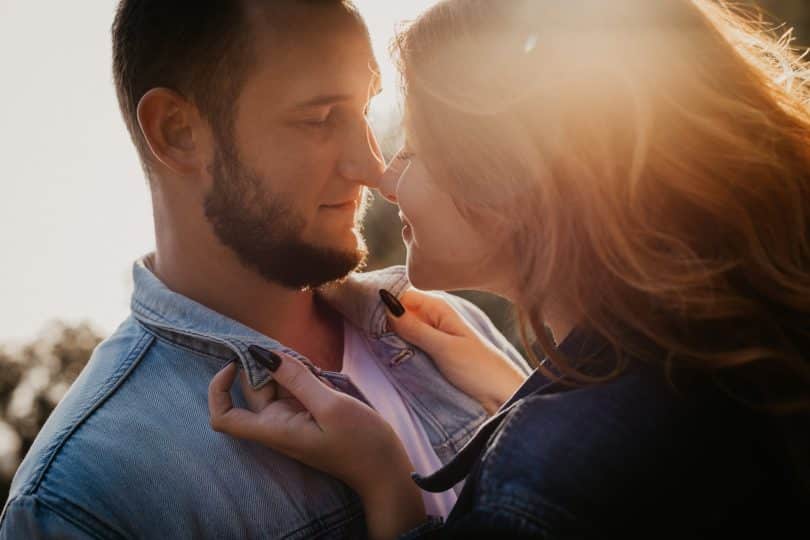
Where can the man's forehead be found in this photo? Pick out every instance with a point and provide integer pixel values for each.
(305, 66)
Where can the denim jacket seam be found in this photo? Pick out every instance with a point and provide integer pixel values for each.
(135, 354)
(168, 341)
(20, 500)
(351, 511)
(57, 509)
(70, 519)
(150, 311)
(162, 319)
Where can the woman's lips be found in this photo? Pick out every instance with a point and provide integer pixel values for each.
(407, 232)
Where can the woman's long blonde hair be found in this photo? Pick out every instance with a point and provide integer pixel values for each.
(650, 163)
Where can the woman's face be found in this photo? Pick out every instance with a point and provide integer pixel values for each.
(444, 250)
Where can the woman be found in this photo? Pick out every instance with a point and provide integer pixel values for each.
(634, 176)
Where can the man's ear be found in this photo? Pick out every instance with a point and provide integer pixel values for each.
(172, 128)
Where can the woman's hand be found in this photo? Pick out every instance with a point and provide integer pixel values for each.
(303, 418)
(465, 358)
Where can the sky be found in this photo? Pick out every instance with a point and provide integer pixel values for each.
(75, 211)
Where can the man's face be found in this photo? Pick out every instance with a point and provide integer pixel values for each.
(289, 183)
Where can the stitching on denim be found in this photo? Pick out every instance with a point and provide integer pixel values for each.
(150, 311)
(352, 511)
(132, 360)
(193, 333)
(68, 517)
(234, 337)
(171, 342)
(6, 507)
(28, 500)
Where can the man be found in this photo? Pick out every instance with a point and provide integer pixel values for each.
(250, 120)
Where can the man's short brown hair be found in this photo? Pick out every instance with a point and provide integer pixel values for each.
(202, 49)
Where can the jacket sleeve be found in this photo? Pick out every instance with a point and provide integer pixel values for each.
(32, 518)
(479, 320)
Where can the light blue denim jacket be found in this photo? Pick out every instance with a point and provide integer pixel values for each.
(129, 452)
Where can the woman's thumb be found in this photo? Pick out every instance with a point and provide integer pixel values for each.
(297, 379)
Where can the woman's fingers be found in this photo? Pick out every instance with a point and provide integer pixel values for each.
(257, 399)
(430, 323)
(435, 311)
(304, 386)
(219, 391)
(413, 329)
(222, 414)
(282, 424)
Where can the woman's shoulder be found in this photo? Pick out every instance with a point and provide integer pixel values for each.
(612, 421)
(580, 458)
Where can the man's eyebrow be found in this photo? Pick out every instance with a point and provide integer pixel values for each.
(322, 100)
(332, 99)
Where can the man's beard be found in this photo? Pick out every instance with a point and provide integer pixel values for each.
(263, 230)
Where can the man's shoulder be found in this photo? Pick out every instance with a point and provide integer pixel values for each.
(111, 362)
(49, 473)
(133, 433)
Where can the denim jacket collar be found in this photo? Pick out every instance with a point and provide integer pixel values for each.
(195, 325)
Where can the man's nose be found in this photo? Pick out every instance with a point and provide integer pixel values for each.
(390, 178)
(363, 161)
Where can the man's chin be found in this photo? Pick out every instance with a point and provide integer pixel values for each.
(310, 266)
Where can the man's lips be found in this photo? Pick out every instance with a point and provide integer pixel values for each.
(345, 205)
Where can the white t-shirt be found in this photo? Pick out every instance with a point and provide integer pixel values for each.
(360, 365)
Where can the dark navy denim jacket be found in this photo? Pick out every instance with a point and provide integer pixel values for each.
(129, 452)
(634, 457)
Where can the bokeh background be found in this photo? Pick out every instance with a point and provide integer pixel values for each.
(75, 213)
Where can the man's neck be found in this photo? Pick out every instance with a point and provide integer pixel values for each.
(216, 279)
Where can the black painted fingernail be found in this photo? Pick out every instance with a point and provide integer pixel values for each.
(392, 303)
(268, 359)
